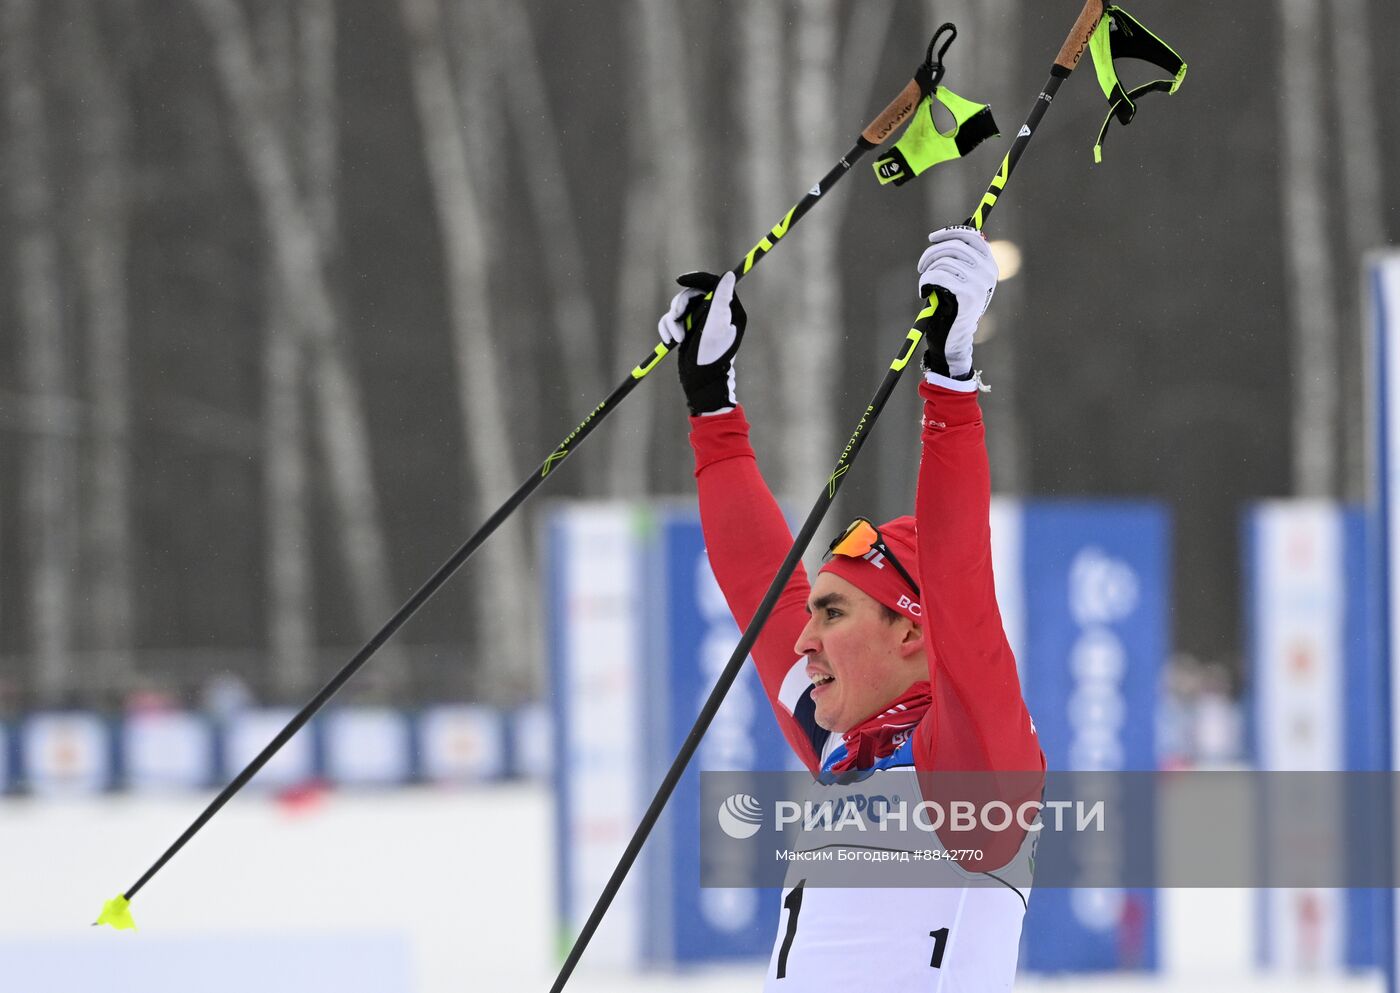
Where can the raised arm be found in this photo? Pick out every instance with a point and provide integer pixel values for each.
(979, 720)
(746, 536)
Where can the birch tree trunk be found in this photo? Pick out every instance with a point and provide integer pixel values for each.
(301, 265)
(672, 205)
(770, 187)
(1311, 279)
(504, 614)
(291, 625)
(101, 251)
(287, 553)
(1363, 192)
(320, 134)
(513, 662)
(640, 273)
(867, 30)
(49, 498)
(808, 379)
(536, 130)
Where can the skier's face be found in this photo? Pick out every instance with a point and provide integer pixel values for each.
(857, 659)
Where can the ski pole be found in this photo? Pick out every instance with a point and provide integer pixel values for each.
(1065, 63)
(116, 912)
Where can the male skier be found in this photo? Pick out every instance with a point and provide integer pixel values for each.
(902, 665)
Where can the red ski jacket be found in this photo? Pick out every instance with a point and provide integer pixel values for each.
(978, 721)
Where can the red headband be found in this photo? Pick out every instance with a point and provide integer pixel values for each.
(876, 578)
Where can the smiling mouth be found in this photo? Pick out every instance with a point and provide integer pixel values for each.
(821, 681)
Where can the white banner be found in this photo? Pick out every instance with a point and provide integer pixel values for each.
(66, 753)
(1299, 658)
(1299, 663)
(168, 751)
(462, 744)
(367, 746)
(596, 604)
(532, 731)
(248, 732)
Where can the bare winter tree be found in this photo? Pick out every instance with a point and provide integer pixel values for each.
(101, 249)
(1362, 186)
(809, 432)
(299, 59)
(641, 272)
(770, 187)
(664, 228)
(49, 500)
(502, 634)
(1312, 287)
(301, 266)
(866, 34)
(535, 128)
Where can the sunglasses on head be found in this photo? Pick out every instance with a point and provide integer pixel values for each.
(857, 542)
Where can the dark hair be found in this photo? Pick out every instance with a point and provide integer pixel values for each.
(889, 613)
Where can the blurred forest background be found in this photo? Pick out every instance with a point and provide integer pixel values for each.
(296, 292)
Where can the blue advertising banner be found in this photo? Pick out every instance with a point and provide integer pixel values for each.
(691, 639)
(1366, 709)
(1382, 303)
(1096, 588)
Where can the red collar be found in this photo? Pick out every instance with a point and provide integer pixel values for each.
(878, 736)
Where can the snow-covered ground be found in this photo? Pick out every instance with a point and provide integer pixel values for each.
(412, 891)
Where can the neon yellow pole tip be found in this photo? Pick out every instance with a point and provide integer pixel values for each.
(116, 914)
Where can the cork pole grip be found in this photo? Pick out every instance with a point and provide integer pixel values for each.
(1078, 39)
(893, 115)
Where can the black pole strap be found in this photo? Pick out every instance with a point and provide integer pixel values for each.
(930, 74)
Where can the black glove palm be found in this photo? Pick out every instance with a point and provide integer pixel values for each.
(935, 328)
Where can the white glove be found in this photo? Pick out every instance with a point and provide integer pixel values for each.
(706, 360)
(671, 327)
(960, 261)
(720, 325)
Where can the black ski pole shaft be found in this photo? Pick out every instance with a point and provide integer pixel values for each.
(884, 124)
(1064, 64)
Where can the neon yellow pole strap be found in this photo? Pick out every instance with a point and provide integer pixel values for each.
(923, 146)
(116, 914)
(1122, 36)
